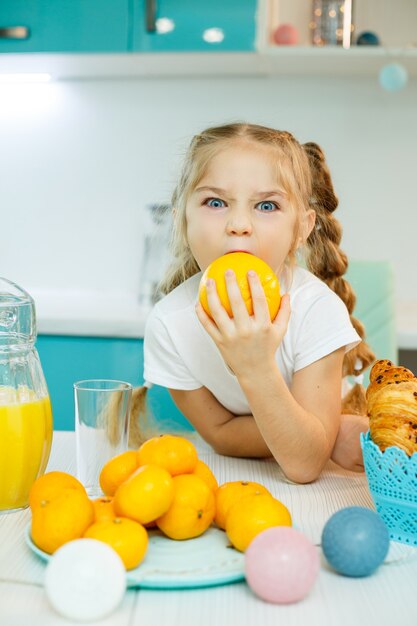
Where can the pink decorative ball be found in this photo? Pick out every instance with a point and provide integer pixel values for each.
(285, 35)
(281, 565)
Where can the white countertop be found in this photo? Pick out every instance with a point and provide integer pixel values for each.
(89, 314)
(383, 599)
(120, 315)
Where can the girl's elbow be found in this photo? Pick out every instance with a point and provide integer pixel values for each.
(310, 470)
(302, 477)
(220, 446)
(216, 442)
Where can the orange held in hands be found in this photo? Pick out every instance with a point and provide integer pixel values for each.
(241, 263)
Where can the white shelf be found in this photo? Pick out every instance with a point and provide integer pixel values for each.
(335, 61)
(273, 61)
(89, 314)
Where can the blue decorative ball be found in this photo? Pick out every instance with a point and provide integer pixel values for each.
(393, 77)
(368, 38)
(355, 541)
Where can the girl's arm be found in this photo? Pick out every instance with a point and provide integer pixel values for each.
(294, 447)
(228, 434)
(299, 426)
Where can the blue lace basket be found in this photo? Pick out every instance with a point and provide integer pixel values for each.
(392, 480)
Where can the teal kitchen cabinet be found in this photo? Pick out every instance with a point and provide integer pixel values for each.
(66, 359)
(194, 25)
(127, 25)
(64, 25)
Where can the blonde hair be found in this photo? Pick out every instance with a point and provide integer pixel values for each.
(306, 179)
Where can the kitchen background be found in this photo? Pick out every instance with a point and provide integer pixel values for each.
(83, 157)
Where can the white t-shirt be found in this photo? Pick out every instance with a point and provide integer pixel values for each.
(179, 353)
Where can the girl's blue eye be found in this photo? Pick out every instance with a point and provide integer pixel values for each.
(216, 203)
(267, 206)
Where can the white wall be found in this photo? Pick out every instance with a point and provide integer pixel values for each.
(79, 161)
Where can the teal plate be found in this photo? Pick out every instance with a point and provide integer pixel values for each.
(206, 561)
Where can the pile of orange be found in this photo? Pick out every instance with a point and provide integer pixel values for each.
(162, 485)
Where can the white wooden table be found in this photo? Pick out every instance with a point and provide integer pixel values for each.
(386, 598)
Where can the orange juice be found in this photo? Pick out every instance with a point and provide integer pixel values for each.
(25, 444)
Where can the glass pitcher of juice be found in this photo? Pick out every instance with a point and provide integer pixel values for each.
(25, 407)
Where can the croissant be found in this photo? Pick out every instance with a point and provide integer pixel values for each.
(391, 399)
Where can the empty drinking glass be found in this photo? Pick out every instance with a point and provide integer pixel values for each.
(102, 414)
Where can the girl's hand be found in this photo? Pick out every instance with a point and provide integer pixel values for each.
(347, 451)
(248, 343)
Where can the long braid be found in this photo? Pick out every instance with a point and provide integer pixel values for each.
(324, 257)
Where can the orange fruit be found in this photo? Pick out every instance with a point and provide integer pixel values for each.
(61, 519)
(146, 495)
(176, 454)
(150, 525)
(117, 470)
(229, 493)
(191, 511)
(103, 509)
(203, 471)
(128, 538)
(50, 485)
(241, 263)
(253, 514)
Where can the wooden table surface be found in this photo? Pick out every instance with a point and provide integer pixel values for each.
(384, 599)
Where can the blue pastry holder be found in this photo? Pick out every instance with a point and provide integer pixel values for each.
(392, 481)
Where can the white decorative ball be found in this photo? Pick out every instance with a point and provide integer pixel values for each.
(85, 580)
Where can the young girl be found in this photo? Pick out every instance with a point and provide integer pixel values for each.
(249, 386)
